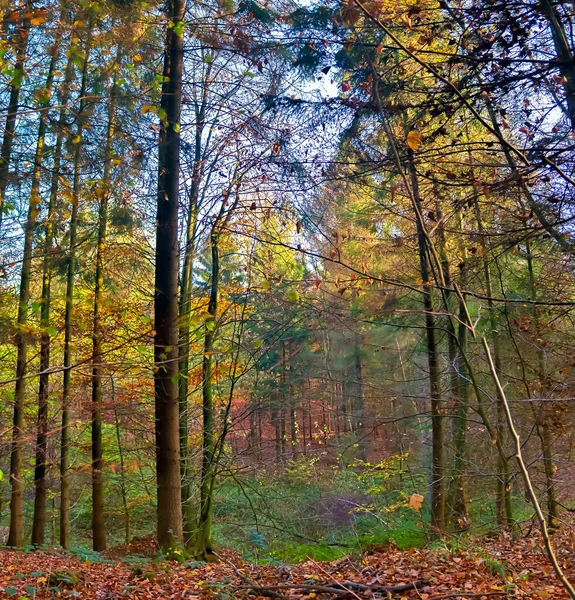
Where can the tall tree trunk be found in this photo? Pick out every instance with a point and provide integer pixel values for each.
(15, 534)
(504, 507)
(188, 510)
(69, 310)
(123, 486)
(276, 423)
(39, 520)
(357, 404)
(103, 192)
(169, 509)
(204, 542)
(437, 487)
(289, 390)
(541, 413)
(20, 49)
(460, 486)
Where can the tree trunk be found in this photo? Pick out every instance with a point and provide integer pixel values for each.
(541, 416)
(103, 192)
(169, 509)
(39, 520)
(459, 486)
(437, 434)
(20, 48)
(503, 501)
(276, 423)
(68, 315)
(204, 543)
(123, 486)
(564, 55)
(188, 509)
(357, 407)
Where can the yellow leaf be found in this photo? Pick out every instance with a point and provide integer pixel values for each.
(414, 139)
(37, 21)
(76, 139)
(137, 58)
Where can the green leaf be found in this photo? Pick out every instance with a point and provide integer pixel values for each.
(177, 127)
(293, 295)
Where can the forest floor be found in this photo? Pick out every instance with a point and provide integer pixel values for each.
(477, 569)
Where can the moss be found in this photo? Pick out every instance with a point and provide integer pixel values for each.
(64, 578)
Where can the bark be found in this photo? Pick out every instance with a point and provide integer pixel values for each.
(541, 417)
(276, 423)
(40, 490)
(503, 500)
(169, 508)
(357, 407)
(188, 509)
(460, 505)
(123, 485)
(69, 312)
(103, 192)
(15, 534)
(204, 543)
(20, 49)
(564, 55)
(437, 433)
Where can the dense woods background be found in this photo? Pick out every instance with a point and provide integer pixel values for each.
(248, 255)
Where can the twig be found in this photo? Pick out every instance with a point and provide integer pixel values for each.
(343, 590)
(332, 577)
(466, 595)
(251, 584)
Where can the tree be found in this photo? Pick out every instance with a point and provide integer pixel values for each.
(166, 286)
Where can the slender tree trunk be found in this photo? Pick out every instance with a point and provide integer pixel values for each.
(437, 486)
(170, 528)
(357, 404)
(15, 535)
(564, 54)
(541, 416)
(69, 310)
(188, 510)
(20, 49)
(204, 543)
(276, 423)
(123, 486)
(103, 193)
(39, 520)
(460, 485)
(503, 501)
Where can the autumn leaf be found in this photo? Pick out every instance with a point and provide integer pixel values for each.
(414, 140)
(416, 502)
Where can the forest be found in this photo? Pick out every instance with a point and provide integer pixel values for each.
(286, 295)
